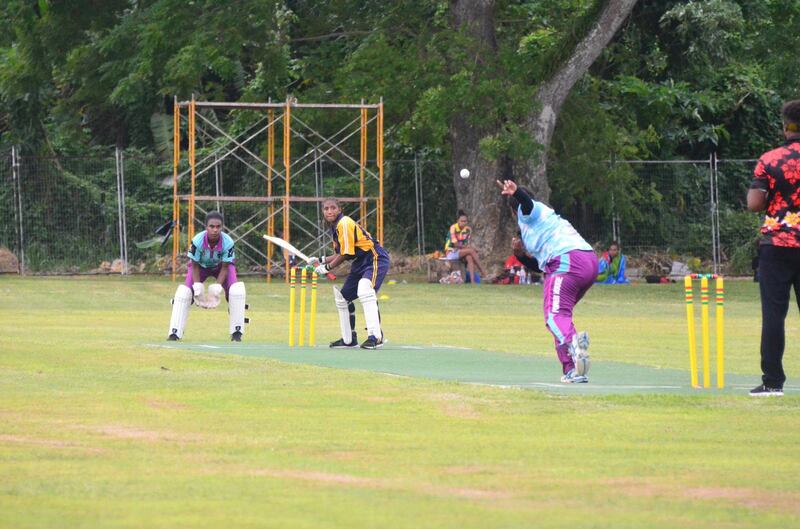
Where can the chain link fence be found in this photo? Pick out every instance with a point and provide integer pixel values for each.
(101, 214)
(693, 211)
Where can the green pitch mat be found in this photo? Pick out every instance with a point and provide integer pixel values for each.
(481, 367)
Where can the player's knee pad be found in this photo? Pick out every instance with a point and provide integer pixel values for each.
(365, 291)
(338, 299)
(237, 303)
(180, 310)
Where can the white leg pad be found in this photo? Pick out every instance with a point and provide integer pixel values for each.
(180, 310)
(344, 315)
(369, 302)
(236, 305)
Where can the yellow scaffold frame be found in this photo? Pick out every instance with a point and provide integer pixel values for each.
(368, 113)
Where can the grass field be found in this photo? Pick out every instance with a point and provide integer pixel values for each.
(100, 427)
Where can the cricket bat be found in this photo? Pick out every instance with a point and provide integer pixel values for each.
(289, 247)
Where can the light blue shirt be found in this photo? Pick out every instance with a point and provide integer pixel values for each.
(546, 235)
(202, 253)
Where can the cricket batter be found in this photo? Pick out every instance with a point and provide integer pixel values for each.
(370, 263)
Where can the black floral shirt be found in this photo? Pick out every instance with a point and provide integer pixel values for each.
(778, 173)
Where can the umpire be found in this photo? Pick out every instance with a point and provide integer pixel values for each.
(776, 189)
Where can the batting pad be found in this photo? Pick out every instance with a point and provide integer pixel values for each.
(180, 310)
(369, 301)
(344, 315)
(236, 306)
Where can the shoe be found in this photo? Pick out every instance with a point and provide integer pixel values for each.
(577, 350)
(173, 338)
(236, 337)
(372, 343)
(339, 344)
(573, 378)
(764, 391)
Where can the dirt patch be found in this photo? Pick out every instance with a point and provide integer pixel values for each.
(384, 484)
(126, 432)
(784, 502)
(164, 404)
(473, 494)
(343, 455)
(49, 443)
(381, 399)
(8, 261)
(463, 470)
(457, 406)
(635, 487)
(788, 502)
(52, 443)
(324, 477)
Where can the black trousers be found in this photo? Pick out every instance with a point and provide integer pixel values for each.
(778, 272)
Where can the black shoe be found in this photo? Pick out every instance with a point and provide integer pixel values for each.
(372, 343)
(764, 391)
(173, 338)
(340, 344)
(236, 337)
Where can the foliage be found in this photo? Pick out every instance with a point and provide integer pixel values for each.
(684, 78)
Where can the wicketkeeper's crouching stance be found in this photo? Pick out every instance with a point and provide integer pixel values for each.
(369, 265)
(210, 255)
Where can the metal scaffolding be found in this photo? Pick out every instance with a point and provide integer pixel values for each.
(316, 163)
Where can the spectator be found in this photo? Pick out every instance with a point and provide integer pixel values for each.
(612, 266)
(457, 247)
(521, 261)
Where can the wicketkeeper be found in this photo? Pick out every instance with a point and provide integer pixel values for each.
(210, 255)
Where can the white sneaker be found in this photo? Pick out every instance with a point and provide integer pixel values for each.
(573, 378)
(577, 350)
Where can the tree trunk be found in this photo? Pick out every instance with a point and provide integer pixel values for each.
(493, 225)
(478, 195)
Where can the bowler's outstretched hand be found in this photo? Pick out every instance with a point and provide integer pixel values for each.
(508, 187)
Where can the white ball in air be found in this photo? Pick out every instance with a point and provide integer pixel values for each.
(464, 173)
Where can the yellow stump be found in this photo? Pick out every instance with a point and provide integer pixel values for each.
(301, 328)
(312, 318)
(292, 281)
(689, 296)
(720, 332)
(706, 333)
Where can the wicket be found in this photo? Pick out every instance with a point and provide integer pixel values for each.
(720, 320)
(312, 312)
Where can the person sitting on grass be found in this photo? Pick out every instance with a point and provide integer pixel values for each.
(519, 267)
(612, 267)
(457, 247)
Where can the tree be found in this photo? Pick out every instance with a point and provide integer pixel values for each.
(475, 18)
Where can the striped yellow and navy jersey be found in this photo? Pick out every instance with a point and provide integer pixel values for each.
(351, 240)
